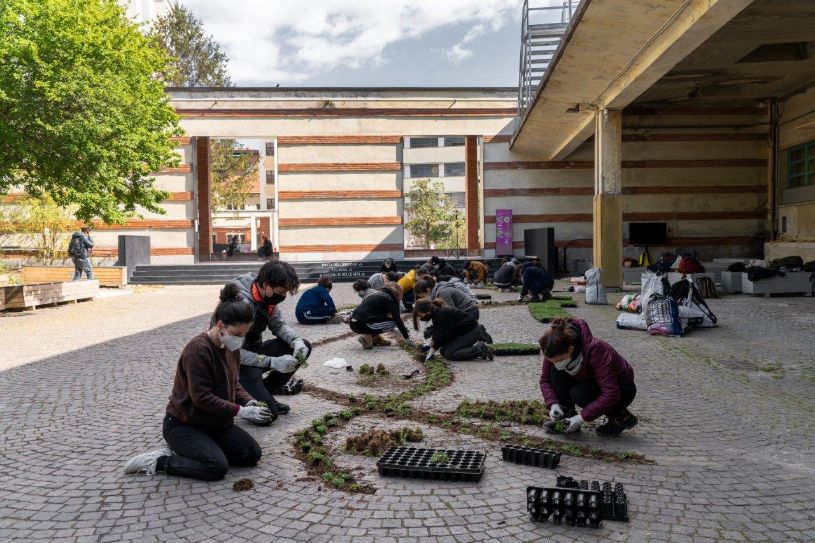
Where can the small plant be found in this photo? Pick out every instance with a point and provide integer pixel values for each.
(366, 369)
(380, 370)
(439, 457)
(375, 442)
(560, 426)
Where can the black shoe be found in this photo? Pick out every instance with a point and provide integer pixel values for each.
(485, 352)
(485, 336)
(282, 408)
(615, 426)
(534, 298)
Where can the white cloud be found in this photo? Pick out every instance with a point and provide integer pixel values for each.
(287, 41)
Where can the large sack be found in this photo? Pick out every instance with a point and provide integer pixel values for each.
(663, 316)
(631, 321)
(651, 284)
(595, 291)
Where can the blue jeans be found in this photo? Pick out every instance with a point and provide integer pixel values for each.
(82, 264)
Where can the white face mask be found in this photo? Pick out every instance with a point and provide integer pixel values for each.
(233, 343)
(572, 366)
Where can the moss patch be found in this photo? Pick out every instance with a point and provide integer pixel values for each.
(551, 309)
(520, 411)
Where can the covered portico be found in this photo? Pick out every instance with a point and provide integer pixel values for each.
(678, 73)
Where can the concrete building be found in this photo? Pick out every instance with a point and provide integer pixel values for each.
(144, 11)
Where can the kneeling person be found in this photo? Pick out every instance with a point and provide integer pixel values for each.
(455, 333)
(376, 314)
(315, 306)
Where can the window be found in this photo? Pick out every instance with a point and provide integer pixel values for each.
(241, 237)
(269, 148)
(269, 203)
(424, 170)
(801, 165)
(454, 141)
(453, 169)
(269, 176)
(457, 198)
(416, 143)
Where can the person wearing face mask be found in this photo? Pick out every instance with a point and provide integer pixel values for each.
(581, 370)
(455, 333)
(363, 288)
(206, 397)
(267, 365)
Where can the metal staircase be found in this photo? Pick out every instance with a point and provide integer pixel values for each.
(542, 28)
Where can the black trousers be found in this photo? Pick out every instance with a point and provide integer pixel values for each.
(571, 392)
(252, 379)
(463, 347)
(372, 328)
(206, 453)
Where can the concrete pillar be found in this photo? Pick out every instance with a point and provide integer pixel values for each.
(608, 202)
(471, 194)
(253, 229)
(204, 197)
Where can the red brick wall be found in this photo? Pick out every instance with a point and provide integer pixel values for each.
(204, 207)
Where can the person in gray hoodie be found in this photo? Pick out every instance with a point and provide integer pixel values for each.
(278, 358)
(79, 250)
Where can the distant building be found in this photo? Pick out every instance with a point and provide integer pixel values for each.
(144, 11)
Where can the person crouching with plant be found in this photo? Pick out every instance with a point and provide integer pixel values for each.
(455, 333)
(316, 306)
(579, 369)
(206, 397)
(376, 314)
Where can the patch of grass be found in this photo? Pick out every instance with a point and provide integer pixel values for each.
(509, 349)
(551, 309)
(375, 442)
(366, 369)
(521, 411)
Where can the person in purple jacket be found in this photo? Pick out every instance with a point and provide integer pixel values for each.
(579, 369)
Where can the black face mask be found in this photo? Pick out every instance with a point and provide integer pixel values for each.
(275, 298)
(426, 318)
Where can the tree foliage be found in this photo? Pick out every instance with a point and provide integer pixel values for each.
(232, 173)
(198, 60)
(83, 119)
(38, 224)
(431, 213)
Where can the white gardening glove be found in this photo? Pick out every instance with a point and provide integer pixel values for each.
(556, 412)
(575, 423)
(283, 364)
(256, 414)
(300, 349)
(430, 355)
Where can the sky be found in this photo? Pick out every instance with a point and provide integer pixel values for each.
(322, 43)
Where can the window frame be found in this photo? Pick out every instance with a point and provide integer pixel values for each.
(807, 176)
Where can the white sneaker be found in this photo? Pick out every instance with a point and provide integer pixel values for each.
(146, 462)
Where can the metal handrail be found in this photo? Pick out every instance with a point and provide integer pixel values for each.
(534, 56)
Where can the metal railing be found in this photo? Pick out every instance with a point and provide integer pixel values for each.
(542, 29)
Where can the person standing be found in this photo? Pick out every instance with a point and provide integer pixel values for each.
(206, 397)
(80, 251)
(581, 370)
(277, 358)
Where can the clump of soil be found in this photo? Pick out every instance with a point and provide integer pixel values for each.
(242, 485)
(376, 442)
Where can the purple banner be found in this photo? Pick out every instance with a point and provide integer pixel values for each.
(503, 232)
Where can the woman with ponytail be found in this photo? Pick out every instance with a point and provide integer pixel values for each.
(206, 397)
(581, 370)
(455, 333)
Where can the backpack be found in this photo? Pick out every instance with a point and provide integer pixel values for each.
(662, 318)
(75, 247)
(696, 309)
(787, 262)
(688, 264)
(756, 273)
(707, 289)
(679, 291)
(736, 267)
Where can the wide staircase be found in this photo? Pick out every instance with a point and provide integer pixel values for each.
(308, 272)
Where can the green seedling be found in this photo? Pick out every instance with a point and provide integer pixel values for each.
(560, 426)
(302, 362)
(366, 369)
(440, 457)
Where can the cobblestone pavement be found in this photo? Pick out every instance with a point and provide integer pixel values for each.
(725, 416)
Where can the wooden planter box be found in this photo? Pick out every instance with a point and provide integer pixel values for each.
(791, 283)
(108, 276)
(33, 296)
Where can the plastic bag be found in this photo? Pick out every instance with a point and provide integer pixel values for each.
(336, 363)
(651, 284)
(631, 321)
(595, 291)
(663, 316)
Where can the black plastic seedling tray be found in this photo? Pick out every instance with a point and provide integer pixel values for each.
(510, 351)
(614, 504)
(416, 463)
(574, 506)
(530, 456)
(483, 296)
(292, 387)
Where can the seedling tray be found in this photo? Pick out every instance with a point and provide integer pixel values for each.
(514, 351)
(573, 506)
(415, 463)
(483, 296)
(530, 456)
(292, 387)
(614, 504)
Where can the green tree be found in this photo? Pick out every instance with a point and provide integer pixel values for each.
(198, 60)
(39, 224)
(232, 173)
(83, 119)
(430, 212)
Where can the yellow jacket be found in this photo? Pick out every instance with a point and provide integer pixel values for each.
(408, 281)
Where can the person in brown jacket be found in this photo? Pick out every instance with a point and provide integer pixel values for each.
(206, 398)
(475, 273)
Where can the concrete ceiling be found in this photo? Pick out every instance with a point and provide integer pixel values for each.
(664, 52)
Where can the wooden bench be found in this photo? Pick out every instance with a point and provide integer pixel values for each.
(21, 297)
(108, 276)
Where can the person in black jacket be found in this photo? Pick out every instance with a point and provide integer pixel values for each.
(537, 283)
(442, 267)
(378, 313)
(388, 265)
(506, 276)
(455, 333)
